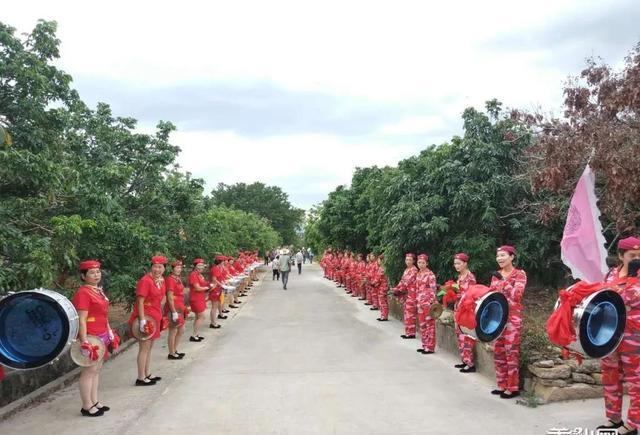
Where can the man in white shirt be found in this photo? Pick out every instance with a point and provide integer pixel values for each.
(299, 260)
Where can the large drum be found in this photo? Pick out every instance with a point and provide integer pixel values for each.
(492, 313)
(599, 322)
(37, 326)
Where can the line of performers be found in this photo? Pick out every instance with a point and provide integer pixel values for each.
(160, 304)
(417, 288)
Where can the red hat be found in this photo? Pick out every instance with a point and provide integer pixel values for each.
(220, 258)
(158, 259)
(508, 249)
(197, 261)
(629, 243)
(89, 264)
(424, 257)
(462, 257)
(409, 254)
(176, 263)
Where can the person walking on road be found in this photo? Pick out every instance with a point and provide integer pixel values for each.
(275, 267)
(285, 267)
(299, 260)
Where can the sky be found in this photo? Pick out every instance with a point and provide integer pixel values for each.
(298, 94)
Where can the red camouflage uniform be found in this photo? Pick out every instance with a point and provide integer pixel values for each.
(358, 276)
(507, 347)
(371, 292)
(380, 285)
(465, 343)
(407, 286)
(426, 295)
(624, 363)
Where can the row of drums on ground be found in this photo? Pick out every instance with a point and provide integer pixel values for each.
(38, 326)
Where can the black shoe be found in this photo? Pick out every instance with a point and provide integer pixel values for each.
(180, 354)
(459, 366)
(421, 351)
(611, 425)
(144, 383)
(383, 320)
(367, 303)
(212, 326)
(102, 408)
(200, 337)
(468, 369)
(173, 356)
(362, 299)
(154, 378)
(504, 395)
(238, 302)
(427, 352)
(497, 392)
(220, 316)
(225, 311)
(374, 309)
(194, 339)
(87, 413)
(232, 306)
(407, 336)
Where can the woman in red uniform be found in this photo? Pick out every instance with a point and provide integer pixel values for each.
(382, 285)
(406, 292)
(174, 308)
(624, 363)
(511, 282)
(150, 291)
(465, 343)
(426, 296)
(215, 295)
(197, 297)
(93, 310)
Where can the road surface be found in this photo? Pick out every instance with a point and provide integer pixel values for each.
(308, 360)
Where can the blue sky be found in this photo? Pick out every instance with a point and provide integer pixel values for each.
(297, 93)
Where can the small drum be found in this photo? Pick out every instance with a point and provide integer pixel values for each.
(599, 321)
(492, 314)
(37, 327)
(84, 360)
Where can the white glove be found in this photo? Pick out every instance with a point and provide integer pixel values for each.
(111, 336)
(174, 316)
(143, 322)
(85, 352)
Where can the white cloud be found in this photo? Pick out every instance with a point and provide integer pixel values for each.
(404, 53)
(303, 165)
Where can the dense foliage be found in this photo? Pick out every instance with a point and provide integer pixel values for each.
(508, 179)
(80, 183)
(270, 202)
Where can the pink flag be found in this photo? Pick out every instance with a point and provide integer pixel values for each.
(582, 245)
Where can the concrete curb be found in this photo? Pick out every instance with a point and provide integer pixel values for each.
(71, 375)
(53, 386)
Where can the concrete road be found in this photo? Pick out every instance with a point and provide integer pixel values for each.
(308, 360)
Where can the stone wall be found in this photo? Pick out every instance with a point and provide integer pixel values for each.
(555, 379)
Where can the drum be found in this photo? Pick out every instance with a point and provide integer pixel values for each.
(38, 326)
(599, 322)
(491, 313)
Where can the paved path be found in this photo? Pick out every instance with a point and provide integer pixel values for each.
(308, 360)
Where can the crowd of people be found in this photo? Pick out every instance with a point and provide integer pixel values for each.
(417, 291)
(227, 280)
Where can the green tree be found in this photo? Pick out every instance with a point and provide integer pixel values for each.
(270, 202)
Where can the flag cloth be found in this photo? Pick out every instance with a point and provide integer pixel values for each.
(582, 246)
